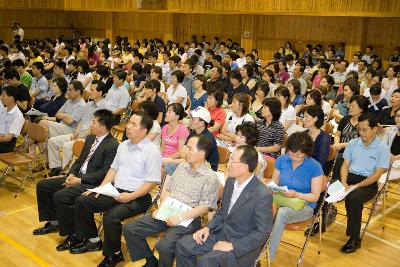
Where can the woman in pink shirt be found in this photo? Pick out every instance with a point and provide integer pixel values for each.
(174, 133)
(283, 74)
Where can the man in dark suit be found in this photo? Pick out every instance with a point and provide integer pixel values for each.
(56, 196)
(239, 229)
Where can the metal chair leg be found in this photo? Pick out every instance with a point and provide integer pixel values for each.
(320, 234)
(23, 180)
(4, 174)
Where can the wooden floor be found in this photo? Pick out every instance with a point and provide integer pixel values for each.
(18, 247)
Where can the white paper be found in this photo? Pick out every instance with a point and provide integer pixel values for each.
(171, 207)
(108, 190)
(35, 112)
(273, 186)
(337, 192)
(221, 178)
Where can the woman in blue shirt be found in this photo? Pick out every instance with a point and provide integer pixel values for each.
(199, 96)
(303, 176)
(296, 99)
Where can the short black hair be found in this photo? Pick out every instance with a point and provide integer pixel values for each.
(105, 118)
(296, 86)
(11, 91)
(275, 107)
(150, 108)
(203, 144)
(235, 74)
(78, 86)
(283, 91)
(178, 109)
(375, 89)
(361, 100)
(264, 87)
(249, 157)
(250, 131)
(353, 85)
(100, 87)
(39, 65)
(120, 74)
(61, 83)
(10, 74)
(316, 111)
(61, 65)
(103, 71)
(179, 75)
(18, 63)
(146, 122)
(324, 65)
(84, 65)
(218, 95)
(153, 84)
(300, 141)
(370, 117)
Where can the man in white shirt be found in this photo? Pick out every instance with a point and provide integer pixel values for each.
(118, 96)
(369, 52)
(11, 120)
(354, 63)
(241, 61)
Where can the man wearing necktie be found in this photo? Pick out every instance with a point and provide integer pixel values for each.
(56, 196)
(241, 226)
(134, 172)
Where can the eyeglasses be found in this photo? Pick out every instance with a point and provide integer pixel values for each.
(296, 156)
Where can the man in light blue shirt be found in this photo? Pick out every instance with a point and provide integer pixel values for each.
(135, 171)
(365, 159)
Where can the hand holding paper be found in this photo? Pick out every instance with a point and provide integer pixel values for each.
(338, 192)
(108, 190)
(171, 207)
(273, 186)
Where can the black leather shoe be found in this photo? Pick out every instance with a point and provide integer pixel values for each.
(87, 246)
(352, 245)
(111, 261)
(46, 229)
(55, 172)
(70, 242)
(315, 229)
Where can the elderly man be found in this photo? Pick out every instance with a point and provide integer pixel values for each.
(193, 183)
(365, 159)
(241, 226)
(135, 171)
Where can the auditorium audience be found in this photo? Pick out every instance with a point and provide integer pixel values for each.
(288, 115)
(386, 117)
(176, 93)
(199, 96)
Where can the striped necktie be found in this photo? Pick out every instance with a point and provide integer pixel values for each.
(91, 151)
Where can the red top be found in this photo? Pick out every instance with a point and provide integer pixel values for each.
(217, 115)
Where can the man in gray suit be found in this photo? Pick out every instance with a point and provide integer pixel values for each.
(239, 229)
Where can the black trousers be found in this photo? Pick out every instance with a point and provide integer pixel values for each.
(56, 202)
(355, 203)
(189, 253)
(8, 146)
(136, 232)
(115, 213)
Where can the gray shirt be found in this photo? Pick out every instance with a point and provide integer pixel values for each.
(188, 84)
(136, 164)
(90, 108)
(42, 86)
(117, 97)
(75, 108)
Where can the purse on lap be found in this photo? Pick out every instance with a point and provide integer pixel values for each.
(293, 203)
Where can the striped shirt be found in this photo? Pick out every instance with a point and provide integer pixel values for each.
(270, 135)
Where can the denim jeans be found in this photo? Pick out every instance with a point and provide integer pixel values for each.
(285, 216)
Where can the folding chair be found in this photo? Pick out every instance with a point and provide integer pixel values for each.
(38, 134)
(380, 192)
(85, 95)
(224, 154)
(120, 128)
(317, 217)
(76, 152)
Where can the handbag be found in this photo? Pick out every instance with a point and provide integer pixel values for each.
(293, 203)
(330, 213)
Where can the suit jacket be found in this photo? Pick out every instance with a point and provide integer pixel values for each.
(100, 161)
(249, 222)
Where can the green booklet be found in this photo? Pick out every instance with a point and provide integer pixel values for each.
(171, 207)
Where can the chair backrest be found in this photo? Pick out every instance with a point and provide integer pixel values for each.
(77, 147)
(269, 170)
(328, 128)
(37, 132)
(332, 153)
(224, 154)
(85, 95)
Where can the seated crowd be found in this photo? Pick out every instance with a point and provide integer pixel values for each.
(181, 106)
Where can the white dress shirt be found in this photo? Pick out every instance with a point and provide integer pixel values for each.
(237, 190)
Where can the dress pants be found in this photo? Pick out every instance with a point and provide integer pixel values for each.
(56, 202)
(187, 251)
(9, 146)
(115, 213)
(136, 232)
(53, 148)
(355, 203)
